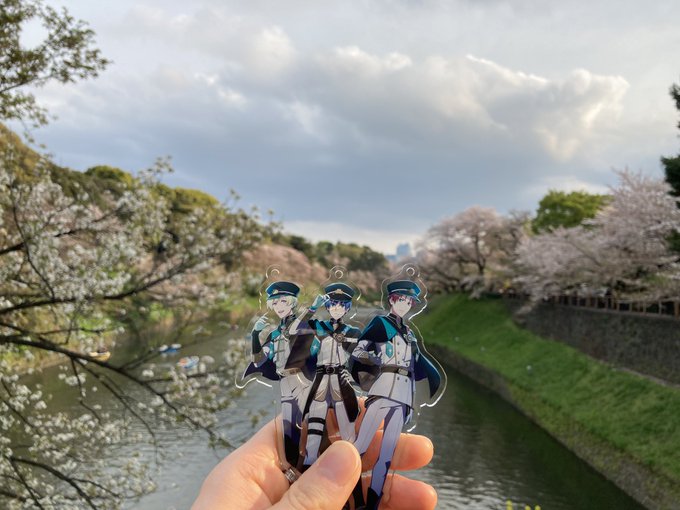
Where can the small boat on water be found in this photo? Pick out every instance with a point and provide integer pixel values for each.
(101, 354)
(171, 349)
(188, 362)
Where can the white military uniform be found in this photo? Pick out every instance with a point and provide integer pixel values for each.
(293, 385)
(395, 354)
(391, 394)
(277, 349)
(331, 376)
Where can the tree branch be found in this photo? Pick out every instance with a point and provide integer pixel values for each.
(57, 474)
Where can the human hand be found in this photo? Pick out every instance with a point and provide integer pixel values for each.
(250, 478)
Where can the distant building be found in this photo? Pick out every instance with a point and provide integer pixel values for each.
(403, 252)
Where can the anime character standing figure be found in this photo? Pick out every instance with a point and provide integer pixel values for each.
(280, 357)
(386, 363)
(331, 387)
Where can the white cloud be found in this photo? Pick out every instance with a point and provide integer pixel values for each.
(384, 102)
(353, 60)
(231, 97)
(436, 101)
(393, 97)
(307, 117)
(566, 183)
(269, 53)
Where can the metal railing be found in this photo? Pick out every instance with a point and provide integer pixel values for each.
(668, 308)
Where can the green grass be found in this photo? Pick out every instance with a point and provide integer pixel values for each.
(634, 414)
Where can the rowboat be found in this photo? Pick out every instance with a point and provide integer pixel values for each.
(188, 362)
(165, 349)
(101, 354)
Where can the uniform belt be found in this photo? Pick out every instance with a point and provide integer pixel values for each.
(288, 371)
(329, 369)
(393, 369)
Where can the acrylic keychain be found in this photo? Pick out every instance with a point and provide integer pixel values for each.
(280, 359)
(398, 375)
(331, 407)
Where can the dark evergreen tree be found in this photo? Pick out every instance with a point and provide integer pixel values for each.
(672, 169)
(672, 164)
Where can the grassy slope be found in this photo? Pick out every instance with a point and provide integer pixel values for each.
(640, 417)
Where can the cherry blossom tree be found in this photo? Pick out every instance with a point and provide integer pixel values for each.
(623, 249)
(471, 250)
(68, 268)
(74, 260)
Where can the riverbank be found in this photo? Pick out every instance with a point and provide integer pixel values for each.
(625, 426)
(151, 323)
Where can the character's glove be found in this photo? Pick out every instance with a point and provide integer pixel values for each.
(255, 342)
(255, 335)
(319, 301)
(261, 323)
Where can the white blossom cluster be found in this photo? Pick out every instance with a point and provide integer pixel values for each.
(471, 250)
(624, 248)
(74, 254)
(39, 449)
(65, 260)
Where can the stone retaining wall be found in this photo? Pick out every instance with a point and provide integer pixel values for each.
(644, 343)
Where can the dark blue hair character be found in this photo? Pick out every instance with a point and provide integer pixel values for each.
(333, 302)
(339, 293)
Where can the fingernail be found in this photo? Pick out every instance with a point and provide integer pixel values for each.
(430, 444)
(433, 497)
(339, 462)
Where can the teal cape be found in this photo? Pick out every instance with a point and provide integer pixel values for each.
(383, 328)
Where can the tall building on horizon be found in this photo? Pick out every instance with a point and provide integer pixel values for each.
(403, 252)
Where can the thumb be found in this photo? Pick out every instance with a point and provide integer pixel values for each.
(328, 483)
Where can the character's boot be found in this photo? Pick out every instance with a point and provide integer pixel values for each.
(291, 449)
(358, 496)
(372, 500)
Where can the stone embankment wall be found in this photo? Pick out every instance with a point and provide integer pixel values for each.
(648, 344)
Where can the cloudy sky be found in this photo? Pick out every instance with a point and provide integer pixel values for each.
(368, 121)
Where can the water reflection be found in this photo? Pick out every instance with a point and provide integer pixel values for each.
(485, 451)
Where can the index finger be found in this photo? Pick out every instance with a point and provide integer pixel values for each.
(413, 451)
